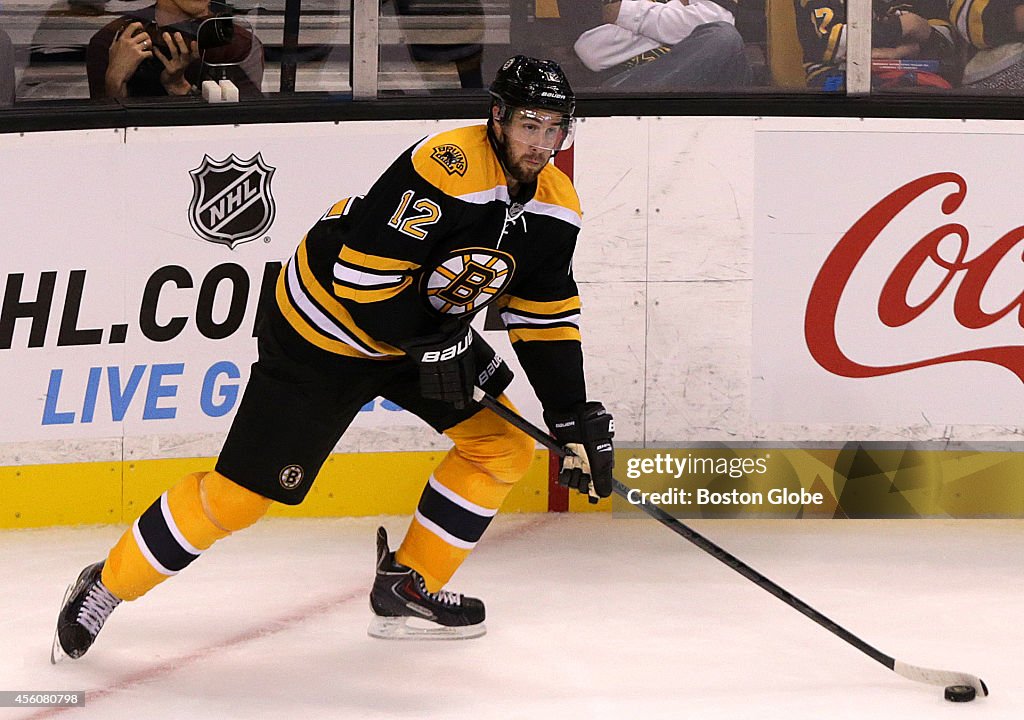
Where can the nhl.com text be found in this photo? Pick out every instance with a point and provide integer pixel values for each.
(675, 467)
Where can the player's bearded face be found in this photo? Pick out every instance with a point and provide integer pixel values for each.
(529, 139)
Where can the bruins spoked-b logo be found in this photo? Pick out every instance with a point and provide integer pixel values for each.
(231, 199)
(467, 280)
(291, 476)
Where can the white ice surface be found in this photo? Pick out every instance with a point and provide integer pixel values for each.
(588, 617)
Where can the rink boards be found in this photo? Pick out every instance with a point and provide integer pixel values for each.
(745, 280)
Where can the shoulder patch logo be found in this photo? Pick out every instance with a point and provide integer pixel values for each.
(231, 199)
(451, 158)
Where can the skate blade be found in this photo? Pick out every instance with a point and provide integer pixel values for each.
(406, 628)
(57, 654)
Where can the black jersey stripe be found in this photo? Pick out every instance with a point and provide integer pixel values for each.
(456, 520)
(541, 316)
(293, 280)
(368, 279)
(161, 541)
(539, 326)
(301, 312)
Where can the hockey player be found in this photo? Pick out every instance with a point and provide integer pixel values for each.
(376, 301)
(900, 30)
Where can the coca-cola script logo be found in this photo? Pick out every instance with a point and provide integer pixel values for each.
(894, 307)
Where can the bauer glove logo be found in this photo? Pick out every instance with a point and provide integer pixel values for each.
(448, 353)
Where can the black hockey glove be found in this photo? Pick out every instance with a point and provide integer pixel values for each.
(587, 432)
(447, 365)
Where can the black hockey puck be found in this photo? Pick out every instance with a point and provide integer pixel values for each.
(960, 693)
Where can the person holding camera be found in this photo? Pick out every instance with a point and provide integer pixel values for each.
(161, 50)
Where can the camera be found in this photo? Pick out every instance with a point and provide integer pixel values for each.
(156, 37)
(215, 32)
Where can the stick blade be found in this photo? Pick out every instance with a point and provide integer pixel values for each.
(939, 677)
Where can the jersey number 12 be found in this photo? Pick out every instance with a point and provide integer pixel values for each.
(428, 213)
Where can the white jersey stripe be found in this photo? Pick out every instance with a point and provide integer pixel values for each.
(536, 207)
(840, 53)
(498, 192)
(461, 501)
(150, 558)
(321, 321)
(442, 533)
(364, 278)
(556, 211)
(511, 318)
(175, 530)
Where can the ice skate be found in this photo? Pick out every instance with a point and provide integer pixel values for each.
(87, 605)
(404, 610)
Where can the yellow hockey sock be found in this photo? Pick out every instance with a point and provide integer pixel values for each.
(463, 495)
(187, 519)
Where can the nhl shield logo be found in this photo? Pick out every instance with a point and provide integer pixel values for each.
(231, 199)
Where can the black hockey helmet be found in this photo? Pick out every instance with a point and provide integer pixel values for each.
(527, 82)
(532, 88)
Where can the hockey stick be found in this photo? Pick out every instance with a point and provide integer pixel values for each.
(911, 672)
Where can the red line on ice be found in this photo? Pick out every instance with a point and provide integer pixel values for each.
(265, 629)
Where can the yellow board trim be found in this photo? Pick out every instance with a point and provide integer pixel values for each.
(349, 485)
(73, 494)
(935, 483)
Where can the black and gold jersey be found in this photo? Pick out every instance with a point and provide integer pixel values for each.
(821, 28)
(438, 238)
(985, 23)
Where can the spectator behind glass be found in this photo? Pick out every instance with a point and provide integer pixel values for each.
(911, 44)
(666, 45)
(154, 52)
(6, 70)
(993, 31)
